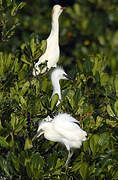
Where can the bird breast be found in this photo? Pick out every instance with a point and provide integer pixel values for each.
(51, 55)
(52, 136)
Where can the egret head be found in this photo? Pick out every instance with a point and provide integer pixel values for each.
(43, 125)
(58, 73)
(57, 10)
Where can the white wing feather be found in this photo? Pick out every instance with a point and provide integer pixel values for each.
(65, 125)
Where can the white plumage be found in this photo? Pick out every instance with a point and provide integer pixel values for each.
(52, 52)
(62, 128)
(56, 75)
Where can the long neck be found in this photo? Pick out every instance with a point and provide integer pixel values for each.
(55, 27)
(56, 88)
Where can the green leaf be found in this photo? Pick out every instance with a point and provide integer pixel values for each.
(54, 101)
(77, 8)
(23, 102)
(24, 59)
(16, 8)
(13, 120)
(37, 161)
(16, 65)
(101, 40)
(38, 53)
(104, 140)
(98, 64)
(32, 46)
(116, 85)
(34, 166)
(19, 125)
(104, 78)
(9, 60)
(111, 122)
(116, 107)
(43, 45)
(76, 166)
(3, 142)
(115, 40)
(110, 111)
(85, 146)
(28, 144)
(15, 161)
(115, 176)
(99, 121)
(25, 88)
(84, 170)
(21, 5)
(4, 166)
(1, 127)
(1, 64)
(28, 169)
(94, 143)
(59, 163)
(87, 66)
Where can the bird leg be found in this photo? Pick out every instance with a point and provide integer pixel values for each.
(70, 153)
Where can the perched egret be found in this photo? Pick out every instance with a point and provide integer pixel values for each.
(56, 75)
(52, 52)
(62, 128)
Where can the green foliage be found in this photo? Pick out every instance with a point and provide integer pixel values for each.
(9, 19)
(54, 101)
(92, 97)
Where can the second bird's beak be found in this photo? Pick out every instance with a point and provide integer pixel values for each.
(68, 77)
(39, 133)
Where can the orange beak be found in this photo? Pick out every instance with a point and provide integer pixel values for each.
(63, 8)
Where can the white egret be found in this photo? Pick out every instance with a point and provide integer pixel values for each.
(56, 75)
(62, 128)
(52, 52)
